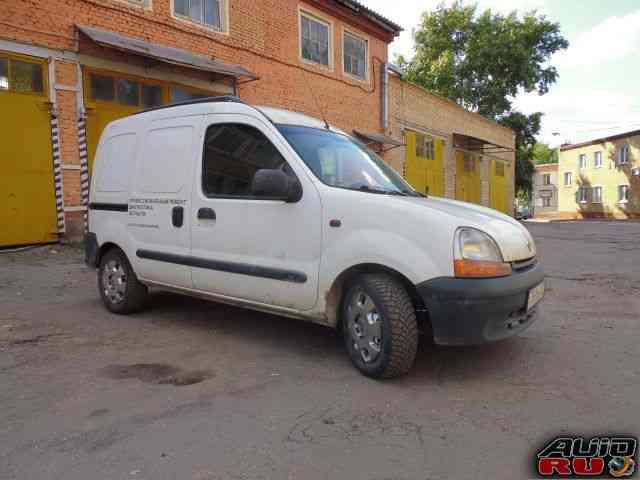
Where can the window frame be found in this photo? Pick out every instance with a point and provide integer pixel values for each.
(546, 179)
(568, 175)
(215, 196)
(311, 15)
(224, 18)
(581, 157)
(364, 39)
(586, 195)
(593, 194)
(44, 66)
(546, 202)
(597, 159)
(628, 190)
(623, 148)
(144, 4)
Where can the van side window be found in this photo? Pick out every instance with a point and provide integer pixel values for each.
(233, 153)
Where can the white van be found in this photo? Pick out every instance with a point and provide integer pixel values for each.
(279, 212)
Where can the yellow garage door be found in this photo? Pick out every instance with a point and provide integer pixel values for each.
(498, 187)
(423, 163)
(110, 96)
(467, 177)
(27, 194)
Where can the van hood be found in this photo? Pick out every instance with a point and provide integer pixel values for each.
(513, 239)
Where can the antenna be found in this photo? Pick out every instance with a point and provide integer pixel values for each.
(319, 107)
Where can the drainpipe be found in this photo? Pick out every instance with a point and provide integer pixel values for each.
(52, 85)
(384, 120)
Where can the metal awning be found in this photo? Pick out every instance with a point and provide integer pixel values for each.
(161, 53)
(474, 144)
(379, 138)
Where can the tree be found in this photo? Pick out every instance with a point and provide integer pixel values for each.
(482, 61)
(526, 128)
(543, 154)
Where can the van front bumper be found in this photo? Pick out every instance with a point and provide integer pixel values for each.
(474, 311)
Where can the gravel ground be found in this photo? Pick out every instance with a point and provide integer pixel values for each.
(196, 390)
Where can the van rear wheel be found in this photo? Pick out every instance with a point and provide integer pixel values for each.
(379, 325)
(119, 287)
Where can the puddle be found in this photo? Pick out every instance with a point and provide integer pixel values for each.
(156, 373)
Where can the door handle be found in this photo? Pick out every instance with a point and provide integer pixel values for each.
(177, 216)
(206, 214)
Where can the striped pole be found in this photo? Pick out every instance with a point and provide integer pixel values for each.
(84, 166)
(57, 173)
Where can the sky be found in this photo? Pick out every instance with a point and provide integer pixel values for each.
(598, 91)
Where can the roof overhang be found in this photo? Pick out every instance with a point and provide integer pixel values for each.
(164, 54)
(379, 139)
(478, 145)
(372, 16)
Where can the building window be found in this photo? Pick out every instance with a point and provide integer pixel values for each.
(582, 161)
(567, 179)
(623, 193)
(424, 147)
(546, 179)
(355, 56)
(206, 12)
(597, 160)
(597, 195)
(21, 76)
(546, 201)
(583, 194)
(233, 153)
(182, 95)
(623, 155)
(131, 93)
(315, 40)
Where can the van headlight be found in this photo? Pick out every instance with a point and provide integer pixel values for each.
(476, 255)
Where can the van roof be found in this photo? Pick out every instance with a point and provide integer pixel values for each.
(275, 115)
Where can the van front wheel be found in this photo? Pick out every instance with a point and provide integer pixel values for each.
(119, 287)
(379, 326)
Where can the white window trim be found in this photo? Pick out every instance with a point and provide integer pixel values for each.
(623, 148)
(593, 188)
(144, 4)
(365, 39)
(312, 15)
(209, 28)
(564, 179)
(623, 202)
(595, 156)
(580, 190)
(586, 161)
(544, 178)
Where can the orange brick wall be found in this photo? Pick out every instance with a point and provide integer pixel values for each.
(262, 37)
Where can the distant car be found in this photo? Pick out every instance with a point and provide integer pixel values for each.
(279, 212)
(522, 213)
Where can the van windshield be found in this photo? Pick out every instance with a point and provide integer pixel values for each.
(343, 162)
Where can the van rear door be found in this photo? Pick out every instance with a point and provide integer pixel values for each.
(158, 221)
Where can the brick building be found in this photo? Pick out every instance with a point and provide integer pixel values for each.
(448, 150)
(68, 67)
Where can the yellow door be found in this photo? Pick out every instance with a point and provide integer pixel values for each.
(27, 193)
(467, 177)
(110, 96)
(423, 163)
(498, 187)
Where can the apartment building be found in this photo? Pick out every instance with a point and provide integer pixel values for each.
(545, 190)
(600, 178)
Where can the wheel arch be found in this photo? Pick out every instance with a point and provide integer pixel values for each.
(335, 295)
(104, 248)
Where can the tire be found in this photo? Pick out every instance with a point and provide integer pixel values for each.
(391, 314)
(119, 287)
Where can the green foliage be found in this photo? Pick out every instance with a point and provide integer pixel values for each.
(526, 128)
(482, 61)
(542, 154)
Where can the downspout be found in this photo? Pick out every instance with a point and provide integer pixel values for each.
(384, 111)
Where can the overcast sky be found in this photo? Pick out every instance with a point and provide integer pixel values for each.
(598, 91)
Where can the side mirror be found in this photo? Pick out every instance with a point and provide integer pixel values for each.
(276, 185)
